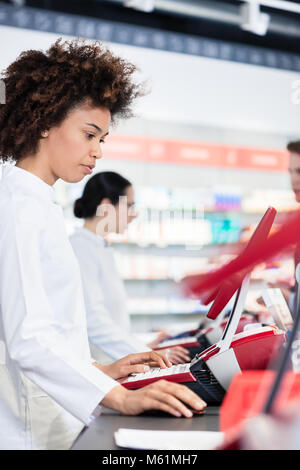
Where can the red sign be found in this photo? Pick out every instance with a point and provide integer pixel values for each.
(182, 152)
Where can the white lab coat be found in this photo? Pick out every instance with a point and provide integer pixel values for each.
(105, 296)
(49, 388)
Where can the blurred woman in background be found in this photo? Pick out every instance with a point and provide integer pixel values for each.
(107, 206)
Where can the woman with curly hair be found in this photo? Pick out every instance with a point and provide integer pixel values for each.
(59, 105)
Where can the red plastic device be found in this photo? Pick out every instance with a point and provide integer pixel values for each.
(204, 338)
(247, 395)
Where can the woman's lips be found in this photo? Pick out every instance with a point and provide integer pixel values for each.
(88, 169)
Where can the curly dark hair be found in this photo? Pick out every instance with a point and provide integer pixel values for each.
(42, 87)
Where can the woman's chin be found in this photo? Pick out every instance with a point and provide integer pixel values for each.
(72, 178)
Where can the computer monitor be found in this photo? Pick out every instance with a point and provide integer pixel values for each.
(231, 285)
(278, 307)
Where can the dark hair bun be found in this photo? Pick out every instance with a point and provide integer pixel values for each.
(79, 209)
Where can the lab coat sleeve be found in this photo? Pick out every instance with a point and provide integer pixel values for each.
(34, 338)
(102, 331)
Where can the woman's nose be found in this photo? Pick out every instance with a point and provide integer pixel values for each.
(133, 215)
(97, 152)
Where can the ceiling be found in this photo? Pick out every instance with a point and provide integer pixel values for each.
(220, 94)
(196, 91)
(219, 19)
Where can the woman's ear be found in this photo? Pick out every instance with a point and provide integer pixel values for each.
(105, 201)
(104, 207)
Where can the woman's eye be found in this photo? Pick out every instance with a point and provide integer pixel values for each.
(91, 136)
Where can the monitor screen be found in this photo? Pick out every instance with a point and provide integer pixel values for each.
(277, 306)
(233, 283)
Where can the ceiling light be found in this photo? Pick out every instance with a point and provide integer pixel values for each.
(143, 5)
(253, 20)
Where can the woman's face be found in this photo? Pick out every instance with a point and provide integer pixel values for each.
(125, 210)
(116, 218)
(75, 145)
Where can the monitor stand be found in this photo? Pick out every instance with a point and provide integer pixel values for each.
(235, 316)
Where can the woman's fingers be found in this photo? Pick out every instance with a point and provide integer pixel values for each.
(177, 355)
(158, 358)
(176, 359)
(181, 349)
(153, 364)
(174, 396)
(173, 403)
(161, 406)
(126, 370)
(184, 394)
(163, 355)
(141, 362)
(176, 399)
(180, 353)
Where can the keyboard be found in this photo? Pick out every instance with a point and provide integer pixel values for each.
(184, 342)
(176, 373)
(195, 375)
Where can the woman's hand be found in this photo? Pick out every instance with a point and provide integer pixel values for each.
(160, 337)
(134, 364)
(162, 395)
(177, 354)
(286, 292)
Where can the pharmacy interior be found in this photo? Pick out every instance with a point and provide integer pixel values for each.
(206, 154)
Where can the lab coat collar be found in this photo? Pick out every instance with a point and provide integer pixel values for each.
(92, 236)
(29, 181)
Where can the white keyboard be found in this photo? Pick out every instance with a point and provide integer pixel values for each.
(158, 372)
(178, 342)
